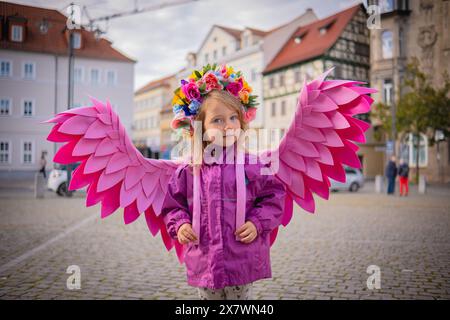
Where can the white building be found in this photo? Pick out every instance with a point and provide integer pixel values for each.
(34, 80)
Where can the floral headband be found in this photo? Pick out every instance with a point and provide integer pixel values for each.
(189, 96)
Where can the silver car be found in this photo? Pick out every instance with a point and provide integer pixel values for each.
(354, 180)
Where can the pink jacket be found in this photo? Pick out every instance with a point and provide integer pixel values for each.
(220, 260)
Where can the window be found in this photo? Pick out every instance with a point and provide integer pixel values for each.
(28, 108)
(274, 106)
(5, 152)
(5, 68)
(224, 51)
(206, 57)
(29, 70)
(401, 42)
(111, 78)
(95, 76)
(76, 40)
(271, 82)
(253, 75)
(5, 107)
(27, 152)
(246, 39)
(409, 151)
(281, 79)
(386, 6)
(297, 76)
(283, 108)
(386, 44)
(17, 33)
(215, 55)
(387, 91)
(78, 74)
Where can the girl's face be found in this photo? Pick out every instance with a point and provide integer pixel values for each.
(223, 120)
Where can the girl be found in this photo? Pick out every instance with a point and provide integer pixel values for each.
(223, 260)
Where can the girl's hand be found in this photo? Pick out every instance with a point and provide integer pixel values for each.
(247, 232)
(186, 234)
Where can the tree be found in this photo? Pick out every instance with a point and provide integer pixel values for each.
(423, 108)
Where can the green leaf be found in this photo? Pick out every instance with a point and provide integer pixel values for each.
(198, 74)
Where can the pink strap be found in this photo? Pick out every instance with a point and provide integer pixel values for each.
(196, 204)
(240, 203)
(240, 192)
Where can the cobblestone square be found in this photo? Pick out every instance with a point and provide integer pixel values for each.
(319, 256)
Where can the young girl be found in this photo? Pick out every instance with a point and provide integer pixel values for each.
(223, 259)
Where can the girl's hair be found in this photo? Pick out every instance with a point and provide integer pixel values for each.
(228, 100)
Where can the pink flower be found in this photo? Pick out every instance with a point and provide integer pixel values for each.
(223, 71)
(212, 82)
(191, 91)
(235, 87)
(250, 114)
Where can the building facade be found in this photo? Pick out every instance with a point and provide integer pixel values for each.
(34, 80)
(340, 40)
(410, 29)
(148, 104)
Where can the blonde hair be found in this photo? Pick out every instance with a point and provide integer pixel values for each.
(228, 100)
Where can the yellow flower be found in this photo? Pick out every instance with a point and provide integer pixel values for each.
(177, 98)
(247, 87)
(229, 70)
(193, 76)
(243, 95)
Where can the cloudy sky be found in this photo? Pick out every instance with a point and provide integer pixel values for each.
(159, 40)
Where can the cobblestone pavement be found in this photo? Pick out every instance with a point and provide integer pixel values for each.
(320, 256)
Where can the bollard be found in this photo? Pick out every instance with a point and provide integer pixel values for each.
(379, 184)
(422, 184)
(39, 185)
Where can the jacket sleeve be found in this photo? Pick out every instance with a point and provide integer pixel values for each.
(175, 210)
(269, 205)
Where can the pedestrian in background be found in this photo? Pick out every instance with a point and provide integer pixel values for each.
(391, 174)
(43, 164)
(403, 172)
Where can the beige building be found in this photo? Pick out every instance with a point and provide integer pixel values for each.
(340, 40)
(148, 104)
(412, 29)
(34, 80)
(247, 50)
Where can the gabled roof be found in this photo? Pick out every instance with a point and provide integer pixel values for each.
(54, 41)
(312, 43)
(163, 82)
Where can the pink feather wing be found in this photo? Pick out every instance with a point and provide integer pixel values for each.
(318, 141)
(114, 171)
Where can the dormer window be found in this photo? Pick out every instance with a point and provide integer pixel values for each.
(298, 39)
(323, 30)
(76, 40)
(17, 33)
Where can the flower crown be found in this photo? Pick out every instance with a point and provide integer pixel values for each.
(189, 96)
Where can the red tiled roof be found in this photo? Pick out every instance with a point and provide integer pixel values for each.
(154, 84)
(54, 41)
(312, 43)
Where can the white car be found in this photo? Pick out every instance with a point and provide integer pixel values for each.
(57, 179)
(354, 180)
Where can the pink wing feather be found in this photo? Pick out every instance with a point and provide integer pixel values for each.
(317, 143)
(116, 173)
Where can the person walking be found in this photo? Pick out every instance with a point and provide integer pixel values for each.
(43, 164)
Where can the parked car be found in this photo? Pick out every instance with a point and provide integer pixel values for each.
(354, 180)
(57, 179)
